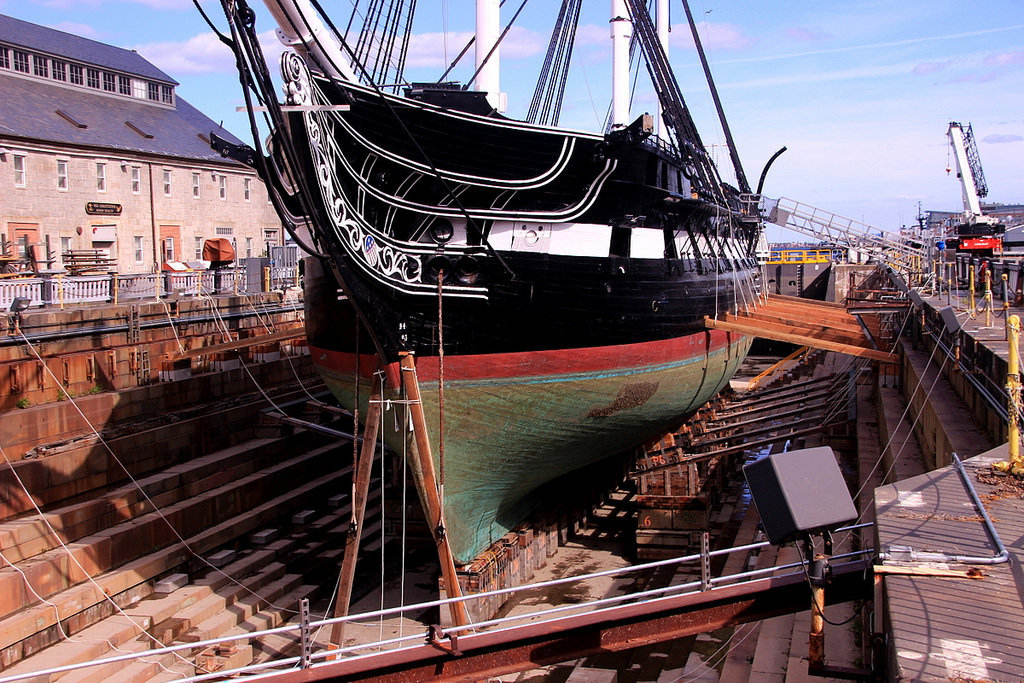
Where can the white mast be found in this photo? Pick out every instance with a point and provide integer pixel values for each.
(662, 19)
(300, 28)
(488, 27)
(622, 33)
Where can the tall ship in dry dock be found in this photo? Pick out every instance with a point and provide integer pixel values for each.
(551, 284)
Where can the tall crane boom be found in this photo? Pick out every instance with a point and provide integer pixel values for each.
(968, 169)
(976, 232)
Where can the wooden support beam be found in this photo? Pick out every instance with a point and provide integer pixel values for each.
(290, 333)
(360, 492)
(434, 511)
(795, 337)
(811, 331)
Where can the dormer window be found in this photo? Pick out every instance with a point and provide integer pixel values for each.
(110, 82)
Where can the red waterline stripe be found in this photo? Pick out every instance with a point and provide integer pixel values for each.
(538, 363)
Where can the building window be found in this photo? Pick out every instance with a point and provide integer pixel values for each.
(166, 94)
(195, 184)
(60, 71)
(167, 249)
(234, 245)
(138, 249)
(199, 249)
(153, 91)
(62, 174)
(248, 247)
(247, 189)
(139, 89)
(21, 61)
(223, 186)
(224, 231)
(5, 58)
(136, 180)
(109, 82)
(19, 170)
(101, 177)
(65, 245)
(167, 183)
(124, 85)
(92, 78)
(75, 74)
(41, 66)
(270, 237)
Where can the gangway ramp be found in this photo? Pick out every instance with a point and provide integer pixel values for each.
(886, 247)
(818, 324)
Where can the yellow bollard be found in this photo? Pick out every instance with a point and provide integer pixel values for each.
(988, 297)
(970, 289)
(1014, 465)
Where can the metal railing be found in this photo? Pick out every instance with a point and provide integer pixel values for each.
(305, 630)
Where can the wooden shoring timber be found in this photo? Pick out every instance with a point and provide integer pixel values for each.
(821, 310)
(799, 319)
(792, 388)
(778, 402)
(813, 417)
(811, 329)
(801, 410)
(433, 502)
(679, 457)
(360, 493)
(283, 335)
(797, 336)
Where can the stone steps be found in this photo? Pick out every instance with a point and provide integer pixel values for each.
(32, 628)
(264, 594)
(54, 571)
(30, 536)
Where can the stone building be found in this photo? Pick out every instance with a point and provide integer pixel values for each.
(98, 151)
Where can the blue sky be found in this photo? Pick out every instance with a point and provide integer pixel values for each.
(861, 92)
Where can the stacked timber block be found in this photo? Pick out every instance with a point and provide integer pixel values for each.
(670, 526)
(510, 561)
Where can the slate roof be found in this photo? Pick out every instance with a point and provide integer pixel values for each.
(53, 42)
(28, 110)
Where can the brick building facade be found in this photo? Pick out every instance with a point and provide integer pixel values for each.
(97, 151)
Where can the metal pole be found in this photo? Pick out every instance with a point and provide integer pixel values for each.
(1014, 465)
(305, 662)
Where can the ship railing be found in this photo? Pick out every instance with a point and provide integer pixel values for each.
(306, 630)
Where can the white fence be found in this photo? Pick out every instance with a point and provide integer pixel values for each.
(62, 290)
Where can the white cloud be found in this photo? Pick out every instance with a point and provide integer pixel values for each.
(713, 36)
(203, 54)
(76, 29)
(428, 49)
(805, 35)
(997, 138)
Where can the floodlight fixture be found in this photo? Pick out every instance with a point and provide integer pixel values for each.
(20, 303)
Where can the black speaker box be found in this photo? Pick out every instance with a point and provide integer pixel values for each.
(799, 492)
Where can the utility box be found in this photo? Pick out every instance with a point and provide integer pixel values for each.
(799, 492)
